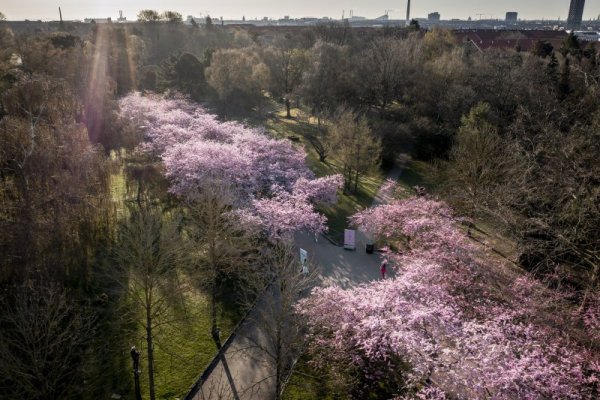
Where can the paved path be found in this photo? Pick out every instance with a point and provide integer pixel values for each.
(385, 196)
(241, 374)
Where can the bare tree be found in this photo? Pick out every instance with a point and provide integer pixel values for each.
(320, 141)
(355, 146)
(44, 334)
(148, 16)
(318, 136)
(53, 182)
(224, 244)
(277, 286)
(327, 80)
(555, 207)
(479, 163)
(334, 32)
(150, 254)
(238, 77)
(286, 65)
(381, 67)
(171, 16)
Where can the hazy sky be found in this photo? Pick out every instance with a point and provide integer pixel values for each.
(79, 9)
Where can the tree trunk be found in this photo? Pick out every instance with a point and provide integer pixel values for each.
(25, 236)
(213, 314)
(287, 108)
(319, 148)
(139, 194)
(149, 343)
(383, 106)
(278, 365)
(471, 223)
(213, 291)
(590, 288)
(138, 390)
(347, 180)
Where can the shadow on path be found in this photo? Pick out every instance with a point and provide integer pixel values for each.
(229, 377)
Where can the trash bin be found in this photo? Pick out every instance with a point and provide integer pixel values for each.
(370, 248)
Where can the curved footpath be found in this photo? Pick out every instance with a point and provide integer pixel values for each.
(240, 372)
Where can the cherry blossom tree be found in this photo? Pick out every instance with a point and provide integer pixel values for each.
(285, 213)
(269, 177)
(416, 226)
(320, 190)
(445, 324)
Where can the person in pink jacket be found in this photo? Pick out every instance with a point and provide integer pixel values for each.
(383, 269)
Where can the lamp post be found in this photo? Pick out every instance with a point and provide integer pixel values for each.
(135, 356)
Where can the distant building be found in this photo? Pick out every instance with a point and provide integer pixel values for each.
(587, 36)
(434, 16)
(511, 16)
(575, 14)
(121, 17)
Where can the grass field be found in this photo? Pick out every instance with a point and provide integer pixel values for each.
(305, 384)
(184, 348)
(416, 173)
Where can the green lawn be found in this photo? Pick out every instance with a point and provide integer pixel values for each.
(415, 173)
(306, 384)
(183, 349)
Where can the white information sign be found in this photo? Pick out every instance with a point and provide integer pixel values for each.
(349, 239)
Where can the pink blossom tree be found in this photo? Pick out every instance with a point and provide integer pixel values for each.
(416, 226)
(269, 177)
(445, 323)
(285, 213)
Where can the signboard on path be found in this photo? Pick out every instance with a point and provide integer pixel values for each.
(349, 239)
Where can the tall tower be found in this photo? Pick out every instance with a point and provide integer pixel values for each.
(575, 14)
(408, 13)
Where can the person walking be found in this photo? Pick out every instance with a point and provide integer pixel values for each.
(305, 269)
(383, 269)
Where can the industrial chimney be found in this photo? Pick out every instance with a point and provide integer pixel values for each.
(408, 13)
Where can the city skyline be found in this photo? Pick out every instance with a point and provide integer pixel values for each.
(236, 9)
